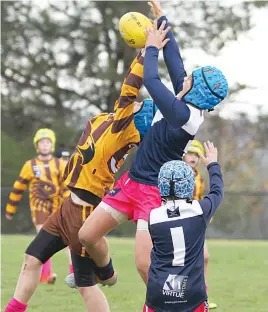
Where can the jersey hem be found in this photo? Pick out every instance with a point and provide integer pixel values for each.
(191, 310)
(141, 180)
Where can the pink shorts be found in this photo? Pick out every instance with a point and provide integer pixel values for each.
(135, 199)
(202, 308)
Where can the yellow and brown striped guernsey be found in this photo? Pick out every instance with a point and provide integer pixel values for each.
(46, 185)
(199, 186)
(106, 140)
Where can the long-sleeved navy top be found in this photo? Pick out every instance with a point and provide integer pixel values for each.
(175, 123)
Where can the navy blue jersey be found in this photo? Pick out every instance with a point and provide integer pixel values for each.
(175, 123)
(176, 275)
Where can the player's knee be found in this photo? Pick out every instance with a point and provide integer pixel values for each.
(86, 238)
(30, 262)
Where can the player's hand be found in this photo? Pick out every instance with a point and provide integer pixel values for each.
(156, 8)
(156, 37)
(211, 154)
(9, 216)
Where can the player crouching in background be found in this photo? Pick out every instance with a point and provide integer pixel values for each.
(176, 275)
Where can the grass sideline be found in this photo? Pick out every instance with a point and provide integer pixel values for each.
(237, 282)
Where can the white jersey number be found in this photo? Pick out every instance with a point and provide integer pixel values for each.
(178, 241)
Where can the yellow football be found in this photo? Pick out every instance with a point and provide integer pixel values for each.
(132, 27)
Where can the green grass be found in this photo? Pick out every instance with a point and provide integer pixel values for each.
(238, 277)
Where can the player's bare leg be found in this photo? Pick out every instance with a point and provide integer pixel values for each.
(143, 248)
(28, 279)
(47, 276)
(94, 297)
(91, 235)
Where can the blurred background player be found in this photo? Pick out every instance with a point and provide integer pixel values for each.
(192, 159)
(175, 124)
(176, 275)
(89, 174)
(46, 186)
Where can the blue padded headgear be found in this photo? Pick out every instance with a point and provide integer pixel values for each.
(176, 178)
(144, 117)
(208, 89)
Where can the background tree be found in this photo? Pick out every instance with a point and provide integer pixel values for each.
(62, 62)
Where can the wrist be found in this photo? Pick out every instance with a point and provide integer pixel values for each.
(151, 46)
(212, 164)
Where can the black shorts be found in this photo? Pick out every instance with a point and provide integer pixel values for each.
(45, 245)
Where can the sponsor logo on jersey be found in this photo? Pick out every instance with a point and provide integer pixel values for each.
(37, 171)
(175, 286)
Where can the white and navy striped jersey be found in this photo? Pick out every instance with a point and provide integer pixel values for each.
(176, 275)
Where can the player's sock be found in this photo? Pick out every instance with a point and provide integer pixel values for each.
(71, 268)
(46, 268)
(105, 272)
(15, 306)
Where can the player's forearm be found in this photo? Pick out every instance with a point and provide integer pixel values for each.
(15, 195)
(216, 183)
(175, 111)
(130, 91)
(12, 203)
(215, 196)
(135, 61)
(173, 59)
(11, 209)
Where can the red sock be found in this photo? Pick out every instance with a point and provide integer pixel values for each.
(71, 268)
(15, 306)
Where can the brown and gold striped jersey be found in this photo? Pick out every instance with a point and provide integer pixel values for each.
(46, 185)
(199, 186)
(106, 141)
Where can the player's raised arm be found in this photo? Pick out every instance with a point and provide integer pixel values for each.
(134, 62)
(171, 50)
(212, 201)
(174, 111)
(19, 187)
(130, 89)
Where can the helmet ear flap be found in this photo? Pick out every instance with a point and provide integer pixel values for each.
(144, 117)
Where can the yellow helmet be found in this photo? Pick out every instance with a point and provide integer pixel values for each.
(196, 147)
(45, 133)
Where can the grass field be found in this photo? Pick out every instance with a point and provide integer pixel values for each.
(238, 277)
